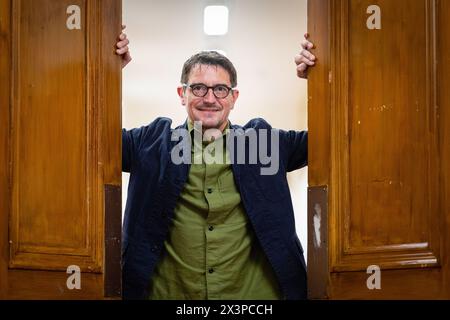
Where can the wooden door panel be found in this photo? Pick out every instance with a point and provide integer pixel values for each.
(387, 94)
(61, 138)
(388, 137)
(32, 285)
(414, 284)
(53, 217)
(384, 174)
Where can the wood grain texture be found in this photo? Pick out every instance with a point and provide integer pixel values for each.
(111, 148)
(54, 222)
(443, 71)
(60, 129)
(46, 285)
(5, 85)
(319, 95)
(387, 207)
(387, 126)
(110, 86)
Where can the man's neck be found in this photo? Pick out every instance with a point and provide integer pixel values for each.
(208, 134)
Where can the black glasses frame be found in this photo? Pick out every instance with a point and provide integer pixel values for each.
(185, 85)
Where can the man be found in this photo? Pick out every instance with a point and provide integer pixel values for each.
(199, 229)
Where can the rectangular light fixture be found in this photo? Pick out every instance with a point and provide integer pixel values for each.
(215, 21)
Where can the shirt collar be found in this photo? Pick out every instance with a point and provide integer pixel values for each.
(191, 129)
(203, 144)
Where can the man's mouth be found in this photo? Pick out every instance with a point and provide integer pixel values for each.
(208, 109)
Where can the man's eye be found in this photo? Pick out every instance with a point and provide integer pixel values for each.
(198, 87)
(221, 89)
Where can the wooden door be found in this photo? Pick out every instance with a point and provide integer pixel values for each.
(379, 139)
(60, 149)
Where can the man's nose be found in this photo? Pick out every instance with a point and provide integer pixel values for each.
(210, 97)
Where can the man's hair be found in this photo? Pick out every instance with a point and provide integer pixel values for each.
(210, 58)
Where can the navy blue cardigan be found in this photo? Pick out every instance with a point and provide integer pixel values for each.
(156, 183)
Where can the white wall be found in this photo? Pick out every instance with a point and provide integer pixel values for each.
(263, 38)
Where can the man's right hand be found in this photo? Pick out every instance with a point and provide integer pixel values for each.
(305, 58)
(122, 48)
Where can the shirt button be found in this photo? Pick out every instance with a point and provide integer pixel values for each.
(211, 270)
(210, 190)
(211, 228)
(154, 248)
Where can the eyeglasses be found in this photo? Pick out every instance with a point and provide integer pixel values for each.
(220, 91)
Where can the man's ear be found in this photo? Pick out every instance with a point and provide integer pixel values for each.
(235, 94)
(181, 94)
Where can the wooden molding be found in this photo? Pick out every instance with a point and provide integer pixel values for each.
(346, 254)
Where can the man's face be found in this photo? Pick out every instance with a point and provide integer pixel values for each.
(211, 111)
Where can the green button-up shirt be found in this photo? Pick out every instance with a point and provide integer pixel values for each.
(211, 251)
